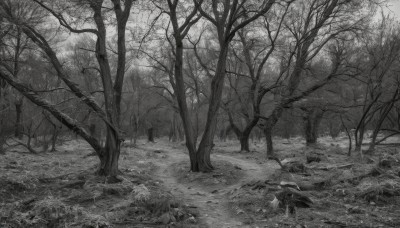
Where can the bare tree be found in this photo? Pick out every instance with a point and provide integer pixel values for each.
(320, 23)
(228, 17)
(255, 53)
(109, 154)
(378, 84)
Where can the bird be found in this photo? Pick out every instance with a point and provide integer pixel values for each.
(290, 198)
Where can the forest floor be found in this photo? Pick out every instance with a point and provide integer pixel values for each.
(59, 189)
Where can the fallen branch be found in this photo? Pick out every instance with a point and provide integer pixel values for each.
(329, 167)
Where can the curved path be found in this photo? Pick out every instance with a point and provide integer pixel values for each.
(212, 207)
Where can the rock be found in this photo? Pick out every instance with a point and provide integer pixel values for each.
(341, 192)
(313, 158)
(355, 210)
(178, 214)
(294, 167)
(165, 218)
(191, 219)
(387, 162)
(173, 219)
(199, 194)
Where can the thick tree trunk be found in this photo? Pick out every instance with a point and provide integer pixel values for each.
(18, 120)
(311, 124)
(244, 139)
(268, 128)
(110, 155)
(244, 142)
(206, 143)
(179, 88)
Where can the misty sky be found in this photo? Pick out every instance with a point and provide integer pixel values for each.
(394, 6)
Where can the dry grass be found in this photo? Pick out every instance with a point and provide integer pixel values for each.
(60, 190)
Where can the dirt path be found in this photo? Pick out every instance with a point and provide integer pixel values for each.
(212, 207)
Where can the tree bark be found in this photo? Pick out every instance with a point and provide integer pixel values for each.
(178, 83)
(54, 138)
(359, 137)
(268, 140)
(383, 114)
(217, 83)
(244, 142)
(110, 156)
(312, 120)
(150, 134)
(18, 118)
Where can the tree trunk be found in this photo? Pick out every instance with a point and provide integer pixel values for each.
(136, 129)
(312, 120)
(222, 134)
(2, 142)
(54, 138)
(268, 140)
(359, 137)
(110, 155)
(217, 84)
(18, 120)
(150, 134)
(244, 142)
(244, 138)
(174, 128)
(2, 136)
(383, 114)
(179, 88)
(268, 127)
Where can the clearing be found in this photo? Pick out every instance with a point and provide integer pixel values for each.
(59, 189)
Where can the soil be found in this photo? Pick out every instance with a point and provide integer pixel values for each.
(60, 189)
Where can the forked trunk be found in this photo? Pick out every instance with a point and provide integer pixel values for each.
(207, 141)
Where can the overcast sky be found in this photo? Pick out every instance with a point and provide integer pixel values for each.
(394, 6)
